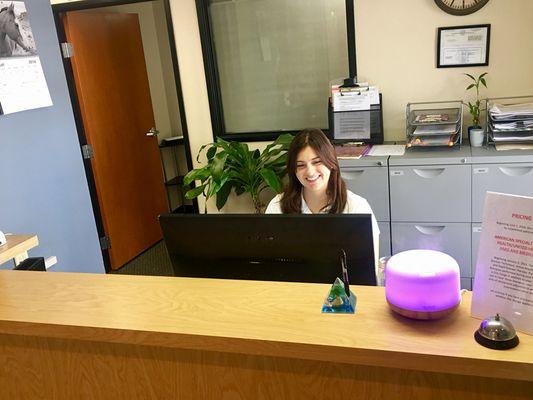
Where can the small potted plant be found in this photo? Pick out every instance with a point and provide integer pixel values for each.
(232, 166)
(475, 131)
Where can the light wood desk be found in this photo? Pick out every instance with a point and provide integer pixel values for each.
(75, 336)
(17, 247)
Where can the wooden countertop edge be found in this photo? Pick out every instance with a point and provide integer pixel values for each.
(258, 347)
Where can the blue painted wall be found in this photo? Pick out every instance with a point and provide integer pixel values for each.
(43, 188)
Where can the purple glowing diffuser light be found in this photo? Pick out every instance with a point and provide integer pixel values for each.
(422, 284)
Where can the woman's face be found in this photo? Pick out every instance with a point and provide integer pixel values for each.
(311, 171)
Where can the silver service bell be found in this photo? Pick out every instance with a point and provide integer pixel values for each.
(496, 333)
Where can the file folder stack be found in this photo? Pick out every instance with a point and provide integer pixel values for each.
(510, 120)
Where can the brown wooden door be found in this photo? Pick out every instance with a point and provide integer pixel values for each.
(114, 98)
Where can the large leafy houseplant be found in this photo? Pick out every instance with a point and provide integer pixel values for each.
(475, 107)
(232, 165)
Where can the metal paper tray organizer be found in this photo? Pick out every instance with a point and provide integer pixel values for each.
(435, 123)
(509, 127)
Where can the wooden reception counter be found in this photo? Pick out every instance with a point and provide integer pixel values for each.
(74, 336)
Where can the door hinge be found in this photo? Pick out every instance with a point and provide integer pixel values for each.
(67, 49)
(105, 243)
(87, 151)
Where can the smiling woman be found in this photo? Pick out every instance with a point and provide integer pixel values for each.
(315, 184)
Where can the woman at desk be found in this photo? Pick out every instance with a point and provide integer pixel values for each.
(315, 184)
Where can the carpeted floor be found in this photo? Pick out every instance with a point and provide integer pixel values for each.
(154, 261)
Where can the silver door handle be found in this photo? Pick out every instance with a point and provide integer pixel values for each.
(152, 132)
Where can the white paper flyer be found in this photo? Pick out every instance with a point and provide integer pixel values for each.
(503, 280)
(22, 82)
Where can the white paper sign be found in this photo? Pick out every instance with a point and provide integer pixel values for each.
(22, 82)
(351, 100)
(503, 280)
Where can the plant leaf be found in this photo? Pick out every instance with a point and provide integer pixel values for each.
(201, 149)
(199, 174)
(212, 188)
(283, 141)
(482, 80)
(217, 166)
(231, 165)
(471, 77)
(193, 193)
(271, 154)
(223, 193)
(211, 152)
(228, 147)
(238, 153)
(470, 86)
(271, 179)
(279, 163)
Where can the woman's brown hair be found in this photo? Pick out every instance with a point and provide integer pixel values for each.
(291, 201)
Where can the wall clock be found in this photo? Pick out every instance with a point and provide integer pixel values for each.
(461, 7)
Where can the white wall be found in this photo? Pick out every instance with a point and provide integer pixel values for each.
(167, 67)
(396, 49)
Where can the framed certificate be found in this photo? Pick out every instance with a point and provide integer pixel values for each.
(463, 46)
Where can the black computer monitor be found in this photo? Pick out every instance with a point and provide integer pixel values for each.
(281, 247)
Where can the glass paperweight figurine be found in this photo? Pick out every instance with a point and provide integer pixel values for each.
(338, 301)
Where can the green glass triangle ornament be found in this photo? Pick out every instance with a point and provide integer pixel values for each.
(337, 301)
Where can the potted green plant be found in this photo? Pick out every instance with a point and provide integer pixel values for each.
(475, 132)
(232, 165)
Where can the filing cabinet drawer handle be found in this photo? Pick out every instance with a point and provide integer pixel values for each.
(429, 173)
(352, 174)
(430, 230)
(516, 171)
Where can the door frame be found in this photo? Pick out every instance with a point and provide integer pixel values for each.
(57, 10)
